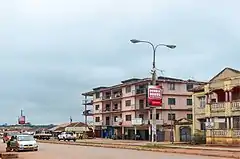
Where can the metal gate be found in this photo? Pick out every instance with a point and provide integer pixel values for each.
(185, 134)
(160, 136)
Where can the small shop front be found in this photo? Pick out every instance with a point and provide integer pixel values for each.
(107, 132)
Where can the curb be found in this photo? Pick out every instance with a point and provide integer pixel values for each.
(138, 148)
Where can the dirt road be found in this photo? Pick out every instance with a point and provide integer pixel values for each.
(57, 151)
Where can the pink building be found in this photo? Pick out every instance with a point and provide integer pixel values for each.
(114, 107)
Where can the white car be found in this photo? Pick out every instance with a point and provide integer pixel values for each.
(26, 142)
(67, 136)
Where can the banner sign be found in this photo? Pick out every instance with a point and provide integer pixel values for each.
(21, 120)
(155, 95)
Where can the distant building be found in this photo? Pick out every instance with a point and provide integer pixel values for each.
(114, 107)
(216, 107)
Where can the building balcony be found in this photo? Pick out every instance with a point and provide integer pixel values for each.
(235, 106)
(107, 123)
(117, 96)
(223, 109)
(107, 109)
(140, 91)
(236, 133)
(106, 97)
(218, 107)
(88, 113)
(224, 133)
(98, 123)
(87, 102)
(117, 109)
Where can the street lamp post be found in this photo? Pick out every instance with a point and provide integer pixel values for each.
(154, 78)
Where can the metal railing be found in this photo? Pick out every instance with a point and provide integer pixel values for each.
(235, 106)
(218, 107)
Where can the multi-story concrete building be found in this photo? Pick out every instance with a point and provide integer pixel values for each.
(114, 107)
(218, 104)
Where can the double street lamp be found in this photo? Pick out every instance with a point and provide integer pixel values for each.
(154, 78)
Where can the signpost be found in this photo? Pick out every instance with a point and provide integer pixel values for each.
(154, 100)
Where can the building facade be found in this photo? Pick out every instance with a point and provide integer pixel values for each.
(216, 108)
(115, 107)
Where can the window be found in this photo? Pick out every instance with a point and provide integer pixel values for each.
(189, 101)
(115, 118)
(128, 89)
(107, 107)
(171, 86)
(236, 122)
(97, 95)
(128, 103)
(157, 116)
(189, 86)
(171, 101)
(141, 103)
(223, 125)
(97, 119)
(96, 107)
(202, 124)
(115, 106)
(202, 102)
(128, 118)
(171, 116)
(214, 100)
(189, 116)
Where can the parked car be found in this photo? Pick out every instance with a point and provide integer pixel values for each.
(22, 142)
(67, 136)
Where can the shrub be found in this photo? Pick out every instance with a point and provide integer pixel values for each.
(198, 138)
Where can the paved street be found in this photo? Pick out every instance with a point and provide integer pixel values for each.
(49, 151)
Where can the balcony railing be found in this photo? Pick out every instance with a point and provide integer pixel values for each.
(106, 109)
(87, 102)
(141, 91)
(235, 106)
(100, 123)
(117, 109)
(236, 133)
(106, 97)
(218, 107)
(220, 133)
(116, 95)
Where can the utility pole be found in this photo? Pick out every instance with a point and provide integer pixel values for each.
(154, 79)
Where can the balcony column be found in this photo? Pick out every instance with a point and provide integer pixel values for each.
(230, 96)
(231, 122)
(226, 96)
(206, 98)
(228, 127)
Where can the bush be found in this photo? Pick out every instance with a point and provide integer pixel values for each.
(198, 138)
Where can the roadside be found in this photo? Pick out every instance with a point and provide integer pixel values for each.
(146, 146)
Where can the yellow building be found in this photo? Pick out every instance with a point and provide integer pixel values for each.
(216, 108)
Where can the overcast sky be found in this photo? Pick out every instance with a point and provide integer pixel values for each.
(53, 50)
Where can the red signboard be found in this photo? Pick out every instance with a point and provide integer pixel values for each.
(155, 95)
(21, 120)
